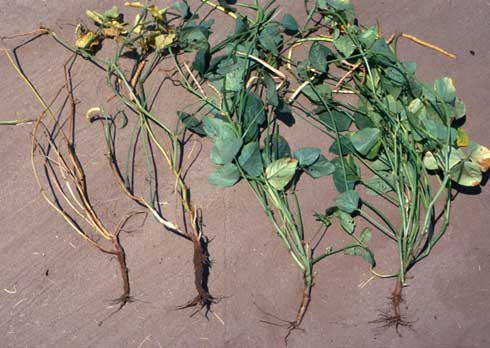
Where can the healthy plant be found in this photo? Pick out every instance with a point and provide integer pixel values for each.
(404, 134)
(242, 92)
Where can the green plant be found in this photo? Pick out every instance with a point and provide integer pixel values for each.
(241, 91)
(406, 145)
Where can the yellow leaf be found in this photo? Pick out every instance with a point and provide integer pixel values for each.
(95, 16)
(137, 26)
(87, 40)
(157, 13)
(135, 4)
(462, 138)
(163, 40)
(111, 32)
(90, 111)
(481, 155)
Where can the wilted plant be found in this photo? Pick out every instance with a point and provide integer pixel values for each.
(146, 42)
(62, 182)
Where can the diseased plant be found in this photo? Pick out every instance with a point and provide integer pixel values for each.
(61, 178)
(140, 48)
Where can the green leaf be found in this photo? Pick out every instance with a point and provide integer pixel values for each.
(233, 72)
(318, 56)
(227, 143)
(280, 172)
(317, 92)
(216, 128)
(225, 149)
(271, 96)
(201, 61)
(250, 159)
(435, 128)
(345, 177)
(346, 146)
(240, 25)
(361, 249)
(365, 139)
(290, 24)
(183, 8)
(335, 119)
(381, 53)
(322, 167)
(112, 13)
(348, 201)
(466, 174)
(193, 38)
(430, 162)
(459, 109)
(344, 45)
(253, 110)
(225, 176)
(346, 221)
(368, 36)
(378, 184)
(191, 123)
(365, 236)
(307, 156)
(395, 76)
(271, 39)
(445, 88)
(277, 147)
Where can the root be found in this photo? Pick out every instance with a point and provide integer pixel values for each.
(295, 325)
(394, 316)
(202, 264)
(291, 326)
(121, 257)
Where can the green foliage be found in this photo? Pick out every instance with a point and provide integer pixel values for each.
(224, 176)
(250, 159)
(280, 172)
(290, 25)
(307, 156)
(348, 201)
(191, 122)
(318, 56)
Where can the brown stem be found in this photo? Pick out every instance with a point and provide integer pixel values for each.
(201, 270)
(295, 325)
(396, 298)
(121, 257)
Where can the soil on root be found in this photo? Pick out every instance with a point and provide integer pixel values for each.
(202, 264)
(394, 317)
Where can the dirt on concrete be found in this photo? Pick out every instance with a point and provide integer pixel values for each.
(55, 289)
